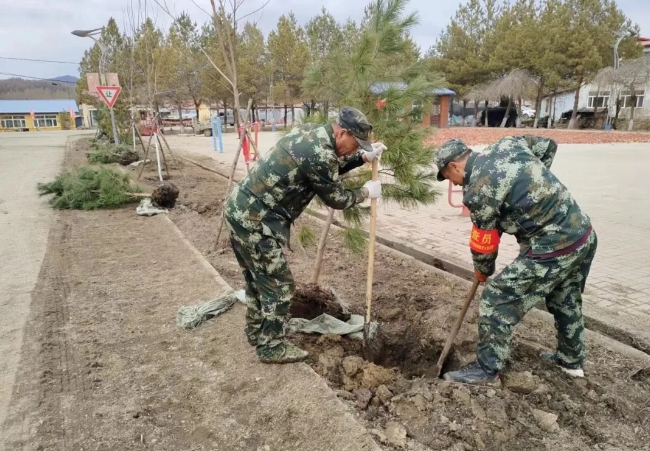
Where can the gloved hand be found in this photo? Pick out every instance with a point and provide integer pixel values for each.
(480, 277)
(373, 189)
(378, 149)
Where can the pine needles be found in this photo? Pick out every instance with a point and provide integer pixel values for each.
(106, 153)
(90, 188)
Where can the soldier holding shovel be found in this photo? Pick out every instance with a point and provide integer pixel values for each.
(260, 209)
(509, 188)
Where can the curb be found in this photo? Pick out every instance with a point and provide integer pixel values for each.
(598, 324)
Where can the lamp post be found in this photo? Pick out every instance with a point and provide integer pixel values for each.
(102, 62)
(629, 33)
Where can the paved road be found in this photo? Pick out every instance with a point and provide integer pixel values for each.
(25, 159)
(608, 181)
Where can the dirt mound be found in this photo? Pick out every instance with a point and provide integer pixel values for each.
(310, 301)
(165, 195)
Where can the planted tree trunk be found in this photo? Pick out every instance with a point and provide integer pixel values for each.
(576, 98)
(486, 113)
(505, 118)
(630, 125)
(538, 102)
(321, 247)
(618, 110)
(232, 175)
(475, 113)
(285, 116)
(519, 112)
(326, 109)
(462, 121)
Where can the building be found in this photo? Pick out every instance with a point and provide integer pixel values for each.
(591, 98)
(436, 114)
(32, 115)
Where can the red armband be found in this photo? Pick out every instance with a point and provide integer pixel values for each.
(484, 241)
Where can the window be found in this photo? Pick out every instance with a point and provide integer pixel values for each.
(45, 121)
(417, 110)
(626, 99)
(13, 122)
(598, 99)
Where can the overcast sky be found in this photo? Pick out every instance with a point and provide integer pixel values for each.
(41, 30)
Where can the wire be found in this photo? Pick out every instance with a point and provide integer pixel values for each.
(38, 61)
(38, 78)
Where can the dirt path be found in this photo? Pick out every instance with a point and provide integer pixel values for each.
(24, 223)
(104, 366)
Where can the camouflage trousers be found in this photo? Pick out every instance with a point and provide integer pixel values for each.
(558, 281)
(269, 286)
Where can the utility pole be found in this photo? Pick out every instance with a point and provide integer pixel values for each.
(102, 62)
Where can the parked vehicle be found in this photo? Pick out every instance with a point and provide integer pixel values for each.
(527, 112)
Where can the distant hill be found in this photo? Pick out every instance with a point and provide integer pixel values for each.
(66, 78)
(62, 87)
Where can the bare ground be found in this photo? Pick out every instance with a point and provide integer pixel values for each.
(104, 366)
(608, 410)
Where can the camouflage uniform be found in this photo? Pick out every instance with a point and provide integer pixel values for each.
(509, 187)
(261, 208)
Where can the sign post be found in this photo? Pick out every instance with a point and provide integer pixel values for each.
(109, 95)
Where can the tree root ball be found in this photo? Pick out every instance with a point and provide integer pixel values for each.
(165, 195)
(128, 157)
(310, 301)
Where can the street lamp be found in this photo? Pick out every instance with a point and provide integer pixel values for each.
(102, 65)
(629, 33)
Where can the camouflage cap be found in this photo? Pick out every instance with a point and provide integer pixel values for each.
(355, 122)
(447, 153)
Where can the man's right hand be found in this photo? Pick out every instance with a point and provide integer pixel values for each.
(373, 189)
(480, 277)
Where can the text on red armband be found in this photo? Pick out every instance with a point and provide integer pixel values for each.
(484, 241)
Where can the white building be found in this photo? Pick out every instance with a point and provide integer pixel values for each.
(591, 97)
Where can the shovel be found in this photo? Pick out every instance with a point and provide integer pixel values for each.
(371, 342)
(452, 336)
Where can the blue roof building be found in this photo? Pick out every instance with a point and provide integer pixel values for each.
(26, 115)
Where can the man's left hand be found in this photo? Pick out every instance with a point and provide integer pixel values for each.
(378, 149)
(480, 277)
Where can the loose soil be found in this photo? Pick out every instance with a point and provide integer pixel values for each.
(416, 309)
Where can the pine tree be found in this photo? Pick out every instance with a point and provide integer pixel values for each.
(289, 56)
(367, 74)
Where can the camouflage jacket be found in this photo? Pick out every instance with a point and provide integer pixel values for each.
(509, 187)
(279, 187)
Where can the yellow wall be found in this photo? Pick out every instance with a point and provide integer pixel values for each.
(204, 112)
(29, 123)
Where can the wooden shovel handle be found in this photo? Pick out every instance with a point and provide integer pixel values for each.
(454, 331)
(371, 242)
